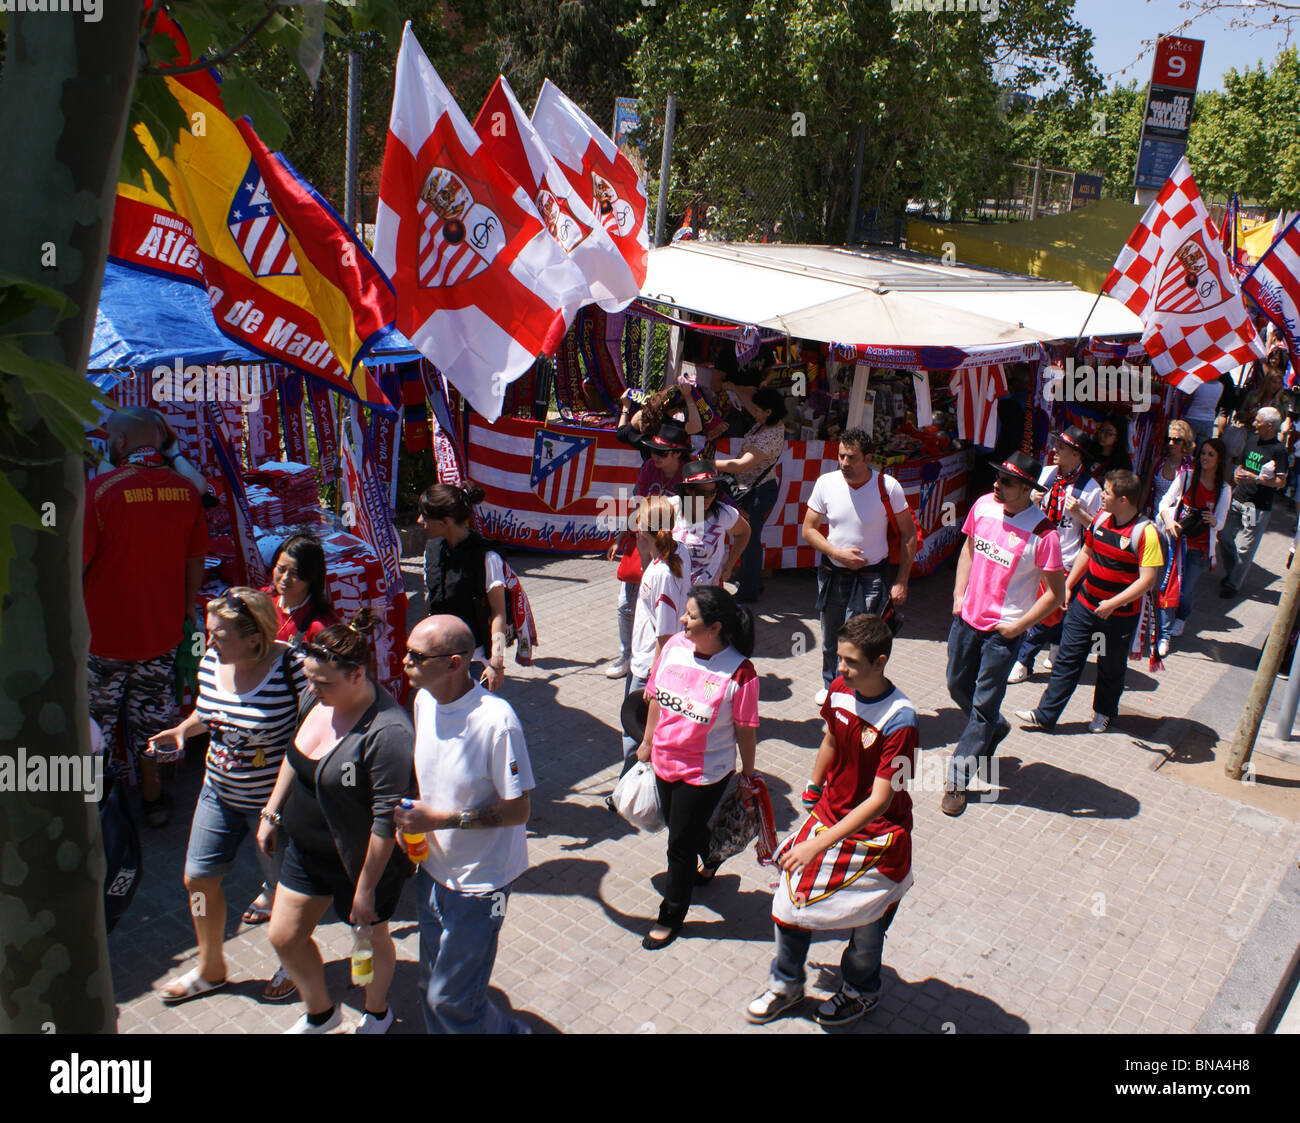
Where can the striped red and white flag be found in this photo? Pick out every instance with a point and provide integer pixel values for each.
(482, 288)
(1274, 284)
(1173, 274)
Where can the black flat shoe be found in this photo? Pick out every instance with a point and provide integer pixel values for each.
(650, 943)
(705, 874)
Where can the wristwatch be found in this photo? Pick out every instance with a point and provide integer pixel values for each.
(466, 819)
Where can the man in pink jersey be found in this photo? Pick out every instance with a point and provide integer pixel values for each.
(1010, 547)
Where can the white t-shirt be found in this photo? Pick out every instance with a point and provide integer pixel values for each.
(857, 517)
(705, 541)
(1068, 530)
(660, 603)
(1205, 400)
(469, 754)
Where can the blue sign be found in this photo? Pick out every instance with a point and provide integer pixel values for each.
(1156, 160)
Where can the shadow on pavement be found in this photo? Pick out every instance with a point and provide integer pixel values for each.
(924, 1006)
(1048, 788)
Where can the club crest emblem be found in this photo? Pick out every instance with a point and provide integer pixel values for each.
(262, 240)
(615, 214)
(1191, 280)
(459, 237)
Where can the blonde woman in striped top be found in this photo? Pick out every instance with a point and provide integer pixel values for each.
(249, 686)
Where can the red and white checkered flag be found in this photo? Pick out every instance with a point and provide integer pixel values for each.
(1173, 274)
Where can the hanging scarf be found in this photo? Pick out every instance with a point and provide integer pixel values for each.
(1054, 501)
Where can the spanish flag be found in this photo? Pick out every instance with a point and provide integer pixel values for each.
(284, 275)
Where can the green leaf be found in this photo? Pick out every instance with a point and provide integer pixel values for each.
(15, 511)
(19, 297)
(67, 403)
(244, 96)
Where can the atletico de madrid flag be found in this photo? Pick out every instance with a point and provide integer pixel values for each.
(482, 288)
(1173, 274)
(598, 171)
(1274, 284)
(509, 139)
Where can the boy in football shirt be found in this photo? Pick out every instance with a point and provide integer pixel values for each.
(850, 862)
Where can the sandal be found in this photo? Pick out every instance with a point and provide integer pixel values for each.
(255, 913)
(706, 874)
(280, 988)
(191, 985)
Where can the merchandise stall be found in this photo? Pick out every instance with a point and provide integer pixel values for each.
(941, 342)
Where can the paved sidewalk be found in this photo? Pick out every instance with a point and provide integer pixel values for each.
(1094, 894)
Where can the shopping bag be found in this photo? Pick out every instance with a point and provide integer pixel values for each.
(636, 798)
(743, 814)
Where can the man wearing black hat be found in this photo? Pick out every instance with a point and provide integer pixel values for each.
(1072, 500)
(1012, 550)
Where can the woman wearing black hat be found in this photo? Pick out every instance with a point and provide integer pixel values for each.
(755, 471)
(703, 522)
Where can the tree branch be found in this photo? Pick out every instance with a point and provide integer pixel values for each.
(225, 56)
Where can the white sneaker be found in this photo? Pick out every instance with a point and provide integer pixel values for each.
(616, 669)
(1098, 723)
(1177, 629)
(1018, 674)
(370, 1024)
(302, 1025)
(820, 697)
(1162, 648)
(769, 1005)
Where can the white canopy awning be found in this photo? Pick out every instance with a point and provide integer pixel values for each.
(879, 298)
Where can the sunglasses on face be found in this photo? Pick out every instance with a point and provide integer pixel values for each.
(1009, 481)
(235, 601)
(419, 658)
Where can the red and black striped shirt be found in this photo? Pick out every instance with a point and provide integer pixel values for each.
(1113, 565)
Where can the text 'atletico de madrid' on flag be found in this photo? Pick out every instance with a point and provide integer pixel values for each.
(509, 139)
(284, 275)
(482, 288)
(1274, 284)
(600, 173)
(1172, 273)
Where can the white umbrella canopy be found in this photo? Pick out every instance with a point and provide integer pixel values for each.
(879, 298)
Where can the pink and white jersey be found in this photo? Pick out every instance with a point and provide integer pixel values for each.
(660, 602)
(1012, 552)
(701, 701)
(705, 540)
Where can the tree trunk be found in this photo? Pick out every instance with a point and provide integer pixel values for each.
(64, 105)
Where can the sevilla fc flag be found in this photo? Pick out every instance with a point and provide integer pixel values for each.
(599, 172)
(1274, 284)
(1174, 275)
(482, 288)
(509, 139)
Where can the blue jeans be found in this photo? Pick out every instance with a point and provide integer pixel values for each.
(859, 966)
(841, 594)
(458, 947)
(1239, 539)
(1035, 639)
(216, 833)
(627, 592)
(630, 747)
(1195, 563)
(1082, 625)
(758, 505)
(978, 666)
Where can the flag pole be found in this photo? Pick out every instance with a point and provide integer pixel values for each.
(1089, 316)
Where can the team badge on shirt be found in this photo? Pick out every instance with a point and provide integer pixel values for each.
(870, 735)
(514, 768)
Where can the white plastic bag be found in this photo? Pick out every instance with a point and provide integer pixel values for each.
(637, 798)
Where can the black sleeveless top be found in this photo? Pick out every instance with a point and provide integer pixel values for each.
(458, 586)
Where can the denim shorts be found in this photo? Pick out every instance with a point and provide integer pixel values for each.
(217, 832)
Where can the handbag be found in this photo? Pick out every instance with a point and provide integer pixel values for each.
(629, 562)
(739, 494)
(1192, 523)
(743, 814)
(636, 798)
